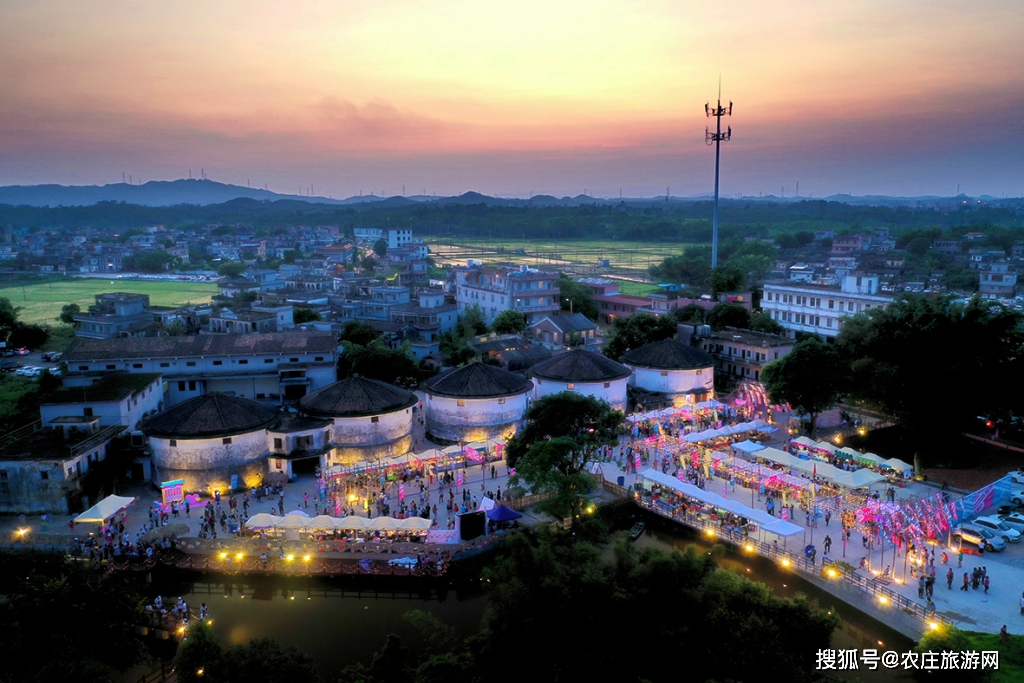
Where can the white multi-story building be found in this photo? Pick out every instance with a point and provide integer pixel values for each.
(997, 280)
(819, 309)
(496, 290)
(399, 238)
(272, 366)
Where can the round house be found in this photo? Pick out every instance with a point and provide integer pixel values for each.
(370, 419)
(583, 372)
(475, 402)
(683, 373)
(208, 439)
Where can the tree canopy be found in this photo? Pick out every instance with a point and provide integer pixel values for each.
(563, 432)
(510, 322)
(727, 314)
(301, 314)
(380, 247)
(232, 268)
(905, 357)
(576, 298)
(68, 313)
(636, 330)
(17, 333)
(377, 361)
(359, 332)
(811, 378)
(42, 648)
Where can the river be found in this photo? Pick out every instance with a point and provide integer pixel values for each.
(340, 627)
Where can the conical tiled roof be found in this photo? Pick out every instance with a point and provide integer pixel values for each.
(357, 396)
(668, 354)
(580, 366)
(211, 415)
(478, 380)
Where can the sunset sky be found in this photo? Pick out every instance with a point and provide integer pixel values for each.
(897, 97)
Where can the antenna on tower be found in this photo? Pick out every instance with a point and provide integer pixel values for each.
(718, 137)
(123, 180)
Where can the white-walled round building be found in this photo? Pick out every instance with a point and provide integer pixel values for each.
(476, 402)
(583, 372)
(371, 419)
(683, 373)
(207, 439)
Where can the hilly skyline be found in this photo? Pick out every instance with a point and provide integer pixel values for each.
(209, 192)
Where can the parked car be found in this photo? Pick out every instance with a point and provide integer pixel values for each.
(7, 353)
(22, 351)
(33, 372)
(1014, 520)
(1017, 476)
(978, 537)
(999, 528)
(1017, 496)
(51, 356)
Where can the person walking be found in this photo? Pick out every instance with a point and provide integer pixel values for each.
(960, 559)
(949, 580)
(967, 582)
(828, 517)
(986, 581)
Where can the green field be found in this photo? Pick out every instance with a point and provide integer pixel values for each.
(40, 302)
(628, 262)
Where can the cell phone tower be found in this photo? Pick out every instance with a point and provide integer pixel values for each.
(718, 137)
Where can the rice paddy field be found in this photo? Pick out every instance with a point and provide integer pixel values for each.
(628, 262)
(40, 302)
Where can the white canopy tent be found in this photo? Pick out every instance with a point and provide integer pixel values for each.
(768, 522)
(747, 447)
(898, 465)
(262, 520)
(104, 510)
(415, 524)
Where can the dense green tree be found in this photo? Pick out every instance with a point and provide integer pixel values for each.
(726, 314)
(811, 378)
(29, 336)
(510, 322)
(380, 247)
(690, 313)
(368, 263)
(376, 361)
(950, 639)
(692, 268)
(301, 314)
(232, 268)
(265, 661)
(153, 261)
(199, 658)
(762, 322)
(576, 298)
(472, 321)
(562, 433)
(903, 356)
(919, 246)
(61, 619)
(291, 255)
(359, 332)
(68, 313)
(725, 278)
(960, 279)
(636, 330)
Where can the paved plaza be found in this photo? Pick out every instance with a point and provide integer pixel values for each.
(972, 609)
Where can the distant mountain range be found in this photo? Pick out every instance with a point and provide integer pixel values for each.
(206, 192)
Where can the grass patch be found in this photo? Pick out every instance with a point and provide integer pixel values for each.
(1011, 655)
(41, 302)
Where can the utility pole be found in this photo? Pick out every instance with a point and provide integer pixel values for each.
(717, 138)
